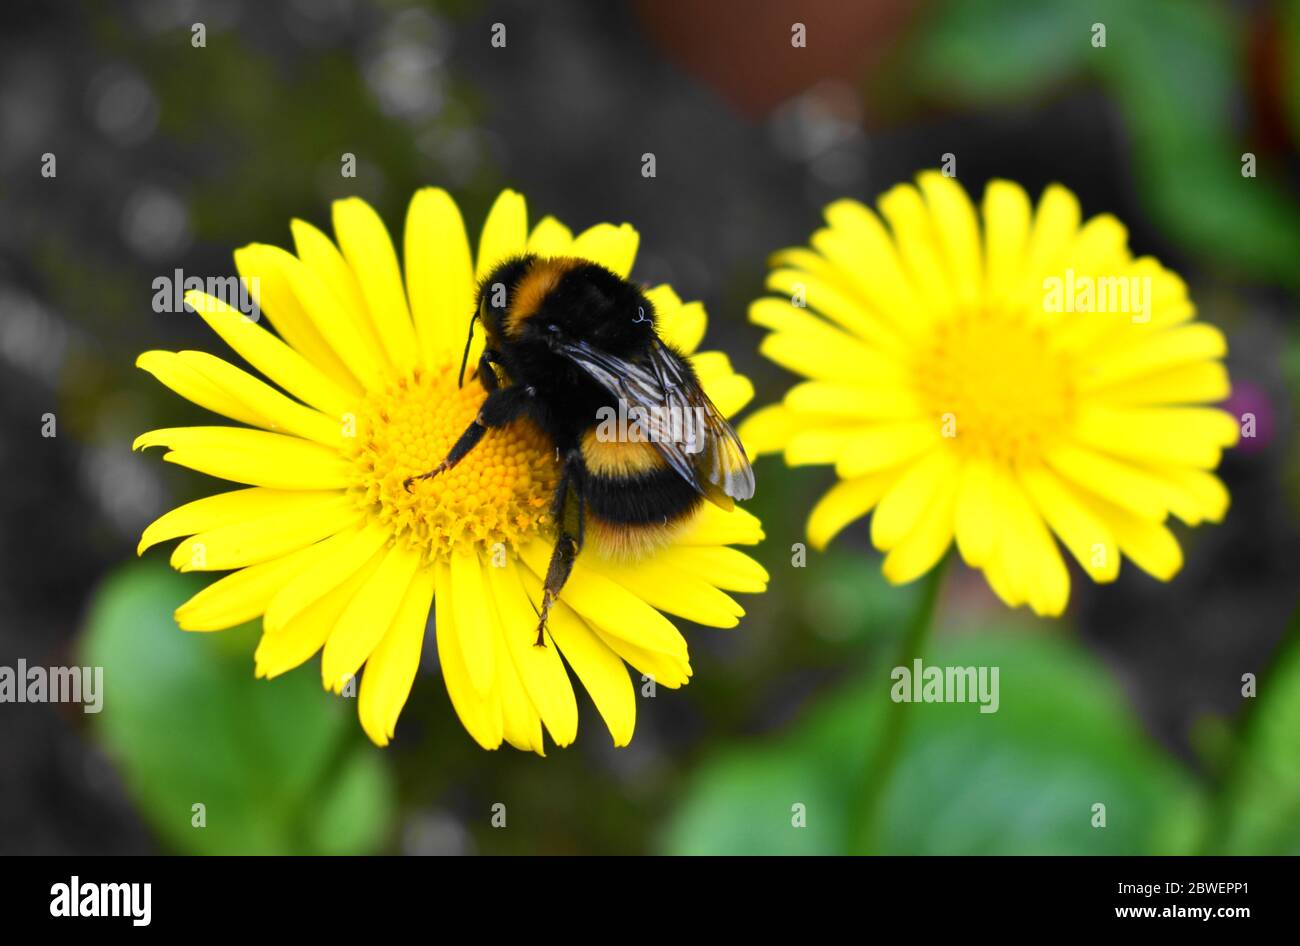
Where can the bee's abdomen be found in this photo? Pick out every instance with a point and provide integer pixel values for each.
(635, 502)
(655, 499)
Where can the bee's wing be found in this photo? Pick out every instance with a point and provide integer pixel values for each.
(689, 432)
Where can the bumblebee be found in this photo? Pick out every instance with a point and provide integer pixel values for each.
(574, 348)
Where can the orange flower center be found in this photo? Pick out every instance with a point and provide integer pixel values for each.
(499, 493)
(996, 384)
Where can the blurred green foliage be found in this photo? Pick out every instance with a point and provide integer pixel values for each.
(1021, 780)
(1177, 69)
(279, 766)
(1259, 808)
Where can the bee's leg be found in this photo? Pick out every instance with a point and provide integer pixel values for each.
(568, 510)
(486, 376)
(503, 406)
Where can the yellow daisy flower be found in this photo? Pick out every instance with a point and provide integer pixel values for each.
(335, 555)
(996, 387)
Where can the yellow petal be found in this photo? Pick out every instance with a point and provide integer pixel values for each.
(821, 356)
(681, 326)
(223, 509)
(846, 502)
(392, 666)
(1007, 216)
(1114, 480)
(480, 713)
(367, 247)
(728, 391)
(505, 233)
(550, 238)
(367, 618)
(194, 386)
(674, 591)
(266, 537)
(305, 633)
(891, 403)
(1145, 542)
(714, 526)
(277, 412)
(1206, 496)
(864, 252)
(356, 343)
(1081, 531)
(521, 725)
(439, 274)
(261, 266)
(1101, 247)
(727, 568)
(1001, 580)
(472, 621)
(841, 352)
(838, 305)
(922, 547)
(324, 259)
(909, 497)
(768, 429)
(244, 595)
(1188, 436)
(608, 604)
(273, 357)
(1198, 383)
(824, 264)
(958, 232)
(918, 246)
(976, 512)
(883, 446)
(610, 246)
(344, 556)
(540, 668)
(1055, 226)
(661, 669)
(602, 672)
(1031, 555)
(1155, 354)
(255, 457)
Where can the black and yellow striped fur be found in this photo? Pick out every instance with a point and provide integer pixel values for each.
(566, 341)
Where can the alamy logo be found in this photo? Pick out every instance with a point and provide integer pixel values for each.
(921, 684)
(1127, 295)
(636, 424)
(242, 295)
(78, 899)
(24, 684)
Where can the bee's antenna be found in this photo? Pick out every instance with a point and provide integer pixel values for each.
(464, 359)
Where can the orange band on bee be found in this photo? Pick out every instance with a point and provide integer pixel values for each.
(541, 278)
(619, 458)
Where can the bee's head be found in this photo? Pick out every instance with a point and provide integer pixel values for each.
(493, 304)
(591, 304)
(495, 293)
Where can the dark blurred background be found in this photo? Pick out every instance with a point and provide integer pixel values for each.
(170, 156)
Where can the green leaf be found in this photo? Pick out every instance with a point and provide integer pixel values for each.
(846, 602)
(1021, 780)
(1259, 808)
(277, 765)
(1177, 74)
(998, 49)
(1175, 68)
(355, 810)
